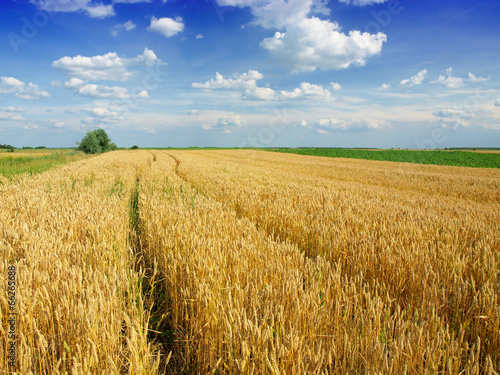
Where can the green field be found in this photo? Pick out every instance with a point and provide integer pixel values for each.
(35, 161)
(438, 157)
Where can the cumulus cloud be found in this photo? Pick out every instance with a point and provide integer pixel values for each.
(313, 43)
(193, 112)
(127, 26)
(166, 26)
(279, 13)
(336, 86)
(415, 80)
(305, 91)
(199, 36)
(351, 124)
(309, 90)
(8, 115)
(94, 91)
(453, 118)
(101, 91)
(305, 42)
(30, 91)
(100, 11)
(449, 81)
(385, 86)
(92, 9)
(248, 82)
(239, 81)
(260, 93)
(475, 79)
(57, 124)
(74, 83)
(497, 102)
(101, 115)
(226, 123)
(103, 67)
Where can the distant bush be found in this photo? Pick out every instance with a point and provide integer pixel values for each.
(134, 147)
(8, 147)
(96, 142)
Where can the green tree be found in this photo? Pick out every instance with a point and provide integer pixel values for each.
(96, 142)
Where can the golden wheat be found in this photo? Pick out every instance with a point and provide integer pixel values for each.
(422, 240)
(249, 262)
(78, 298)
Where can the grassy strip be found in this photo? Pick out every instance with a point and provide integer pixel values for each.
(452, 158)
(11, 166)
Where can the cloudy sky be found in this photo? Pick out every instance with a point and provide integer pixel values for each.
(338, 73)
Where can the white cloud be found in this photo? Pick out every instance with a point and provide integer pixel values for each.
(308, 43)
(462, 113)
(455, 124)
(497, 102)
(363, 2)
(94, 91)
(309, 90)
(148, 57)
(94, 10)
(240, 81)
(415, 80)
(461, 118)
(449, 81)
(291, 95)
(313, 43)
(260, 93)
(336, 86)
(127, 26)
(166, 26)
(351, 124)
(279, 13)
(8, 115)
(226, 123)
(475, 79)
(248, 82)
(57, 123)
(305, 91)
(142, 95)
(385, 86)
(101, 115)
(103, 67)
(199, 36)
(193, 112)
(101, 91)
(30, 91)
(12, 109)
(100, 11)
(74, 83)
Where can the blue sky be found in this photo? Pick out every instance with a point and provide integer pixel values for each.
(338, 73)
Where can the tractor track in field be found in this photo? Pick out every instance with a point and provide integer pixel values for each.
(152, 288)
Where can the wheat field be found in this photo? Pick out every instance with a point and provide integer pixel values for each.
(249, 262)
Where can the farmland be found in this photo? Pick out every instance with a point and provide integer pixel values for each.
(459, 157)
(252, 262)
(34, 161)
